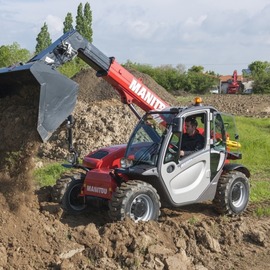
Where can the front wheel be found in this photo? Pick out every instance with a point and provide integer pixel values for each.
(232, 193)
(135, 199)
(72, 202)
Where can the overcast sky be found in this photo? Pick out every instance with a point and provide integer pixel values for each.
(219, 35)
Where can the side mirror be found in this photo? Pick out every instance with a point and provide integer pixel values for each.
(176, 125)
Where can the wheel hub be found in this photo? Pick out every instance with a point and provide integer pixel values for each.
(139, 208)
(237, 194)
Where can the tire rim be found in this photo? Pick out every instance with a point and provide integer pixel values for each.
(141, 208)
(238, 195)
(75, 201)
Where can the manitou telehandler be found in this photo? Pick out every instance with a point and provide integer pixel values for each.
(137, 179)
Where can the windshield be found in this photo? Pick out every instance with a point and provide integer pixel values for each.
(147, 137)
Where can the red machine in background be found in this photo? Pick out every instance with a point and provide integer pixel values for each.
(234, 86)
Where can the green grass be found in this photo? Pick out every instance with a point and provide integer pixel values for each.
(255, 141)
(260, 191)
(47, 175)
(262, 212)
(193, 220)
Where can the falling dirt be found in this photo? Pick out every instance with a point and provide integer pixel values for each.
(36, 234)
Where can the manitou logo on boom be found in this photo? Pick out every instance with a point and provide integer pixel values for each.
(146, 95)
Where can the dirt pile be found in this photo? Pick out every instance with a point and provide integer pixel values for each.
(36, 234)
(246, 105)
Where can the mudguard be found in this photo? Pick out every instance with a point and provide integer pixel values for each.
(237, 167)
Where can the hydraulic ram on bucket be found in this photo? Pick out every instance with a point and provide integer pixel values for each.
(57, 93)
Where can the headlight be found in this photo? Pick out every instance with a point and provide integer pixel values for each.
(125, 163)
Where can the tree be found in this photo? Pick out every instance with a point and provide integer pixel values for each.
(88, 32)
(260, 73)
(261, 84)
(198, 69)
(198, 82)
(258, 67)
(43, 39)
(68, 23)
(79, 19)
(12, 54)
(212, 73)
(84, 21)
(181, 68)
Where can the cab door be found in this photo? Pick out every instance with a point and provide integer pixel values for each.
(186, 178)
(217, 144)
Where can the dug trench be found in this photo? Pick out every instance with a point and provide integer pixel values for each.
(36, 234)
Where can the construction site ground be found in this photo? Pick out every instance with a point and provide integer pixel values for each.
(36, 234)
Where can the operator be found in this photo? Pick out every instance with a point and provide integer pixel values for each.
(192, 140)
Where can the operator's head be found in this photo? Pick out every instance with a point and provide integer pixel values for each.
(190, 125)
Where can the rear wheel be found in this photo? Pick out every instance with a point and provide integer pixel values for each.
(135, 199)
(232, 194)
(72, 202)
(60, 187)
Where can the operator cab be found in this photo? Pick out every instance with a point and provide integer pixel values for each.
(153, 153)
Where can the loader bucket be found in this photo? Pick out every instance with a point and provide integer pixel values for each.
(55, 93)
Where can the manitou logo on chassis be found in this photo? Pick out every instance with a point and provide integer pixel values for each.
(146, 95)
(97, 189)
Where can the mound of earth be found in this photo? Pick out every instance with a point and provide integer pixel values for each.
(242, 105)
(36, 234)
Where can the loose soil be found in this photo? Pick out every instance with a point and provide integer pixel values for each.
(36, 234)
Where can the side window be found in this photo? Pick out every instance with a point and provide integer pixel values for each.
(193, 138)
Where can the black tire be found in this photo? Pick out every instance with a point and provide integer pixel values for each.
(135, 199)
(60, 187)
(72, 203)
(232, 193)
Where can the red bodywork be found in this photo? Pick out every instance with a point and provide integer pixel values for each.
(233, 87)
(99, 181)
